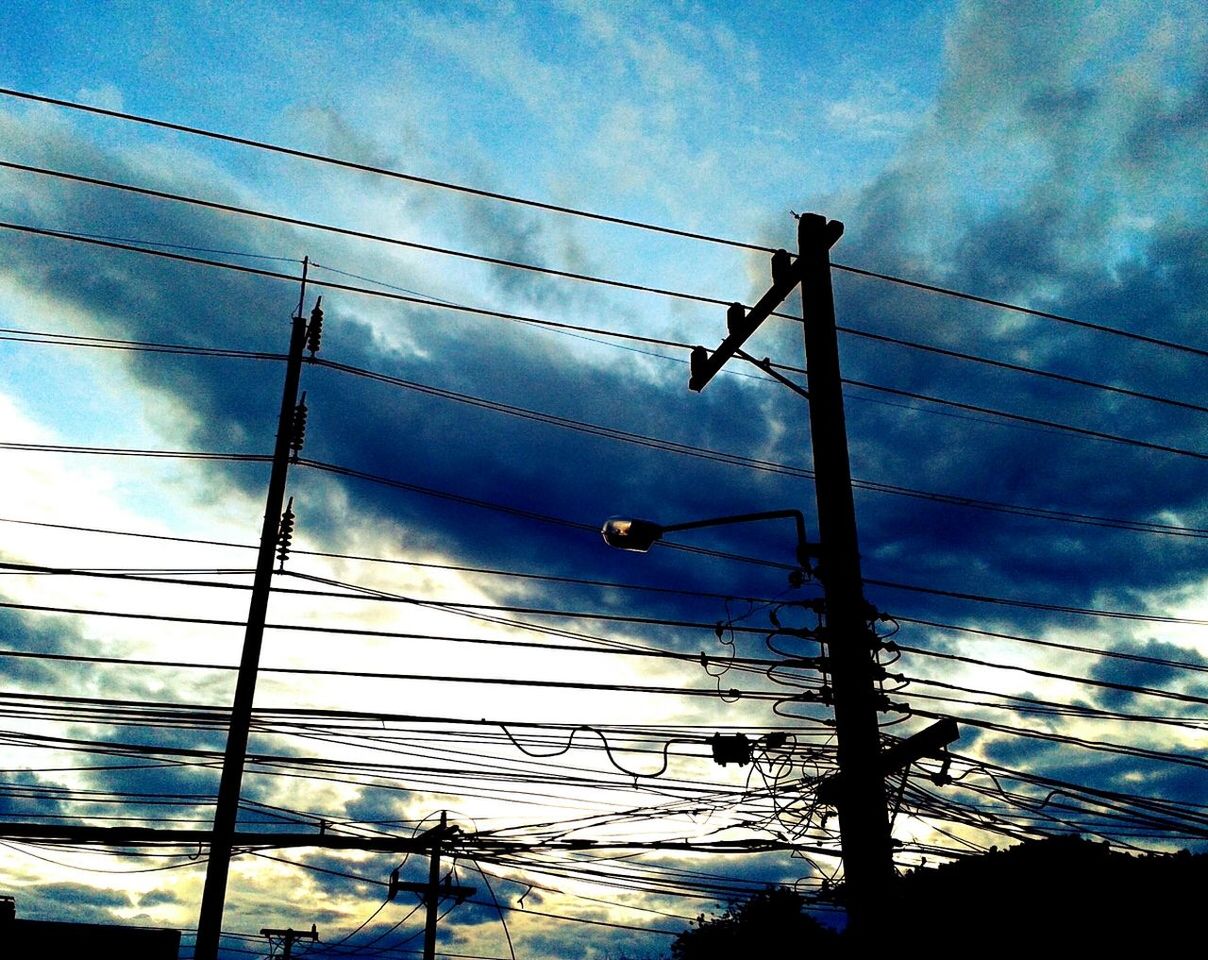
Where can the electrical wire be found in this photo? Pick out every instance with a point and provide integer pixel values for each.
(20, 335)
(570, 211)
(134, 452)
(1053, 644)
(445, 251)
(1039, 422)
(755, 463)
(1052, 675)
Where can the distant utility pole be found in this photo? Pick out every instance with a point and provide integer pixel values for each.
(859, 790)
(288, 937)
(276, 530)
(433, 891)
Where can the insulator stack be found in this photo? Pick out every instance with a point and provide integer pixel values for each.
(298, 437)
(285, 535)
(314, 330)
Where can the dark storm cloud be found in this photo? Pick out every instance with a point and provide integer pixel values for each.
(365, 879)
(603, 944)
(1159, 676)
(31, 634)
(1008, 251)
(24, 794)
(156, 898)
(1043, 226)
(1129, 775)
(184, 789)
(1168, 125)
(72, 903)
(491, 457)
(1018, 752)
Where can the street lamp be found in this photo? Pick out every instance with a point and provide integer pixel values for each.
(631, 533)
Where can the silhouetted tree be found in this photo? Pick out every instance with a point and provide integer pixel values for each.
(1059, 894)
(769, 923)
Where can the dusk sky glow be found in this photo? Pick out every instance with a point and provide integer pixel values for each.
(450, 632)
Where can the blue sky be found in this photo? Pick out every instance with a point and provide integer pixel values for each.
(1047, 158)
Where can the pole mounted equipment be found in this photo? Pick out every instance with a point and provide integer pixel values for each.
(285, 536)
(931, 741)
(298, 439)
(314, 330)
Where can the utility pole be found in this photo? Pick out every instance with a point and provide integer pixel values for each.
(433, 891)
(288, 937)
(213, 896)
(859, 790)
(863, 823)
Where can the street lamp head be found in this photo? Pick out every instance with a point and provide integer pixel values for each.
(630, 533)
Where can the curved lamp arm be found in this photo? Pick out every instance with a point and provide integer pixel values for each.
(632, 533)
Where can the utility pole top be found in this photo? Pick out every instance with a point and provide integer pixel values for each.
(814, 228)
(741, 323)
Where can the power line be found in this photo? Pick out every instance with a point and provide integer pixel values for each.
(890, 584)
(1021, 368)
(1127, 750)
(571, 211)
(1093, 651)
(628, 649)
(1033, 421)
(549, 271)
(379, 171)
(520, 512)
(1028, 311)
(459, 568)
(63, 235)
(112, 343)
(626, 436)
(774, 467)
(133, 452)
(332, 285)
(539, 913)
(1051, 675)
(559, 521)
(362, 235)
(761, 695)
(1034, 705)
(366, 728)
(1043, 513)
(1032, 604)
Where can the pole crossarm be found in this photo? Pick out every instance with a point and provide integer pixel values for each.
(929, 742)
(156, 837)
(786, 274)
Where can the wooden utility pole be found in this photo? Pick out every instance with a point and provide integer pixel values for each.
(288, 936)
(859, 790)
(433, 891)
(863, 822)
(213, 896)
